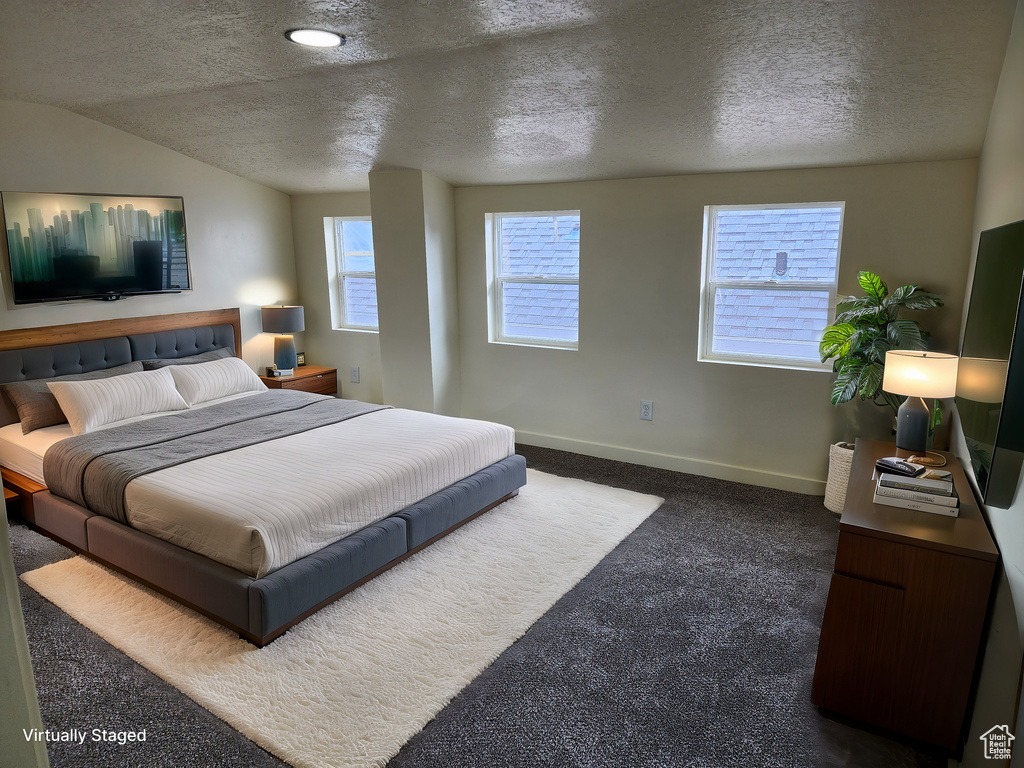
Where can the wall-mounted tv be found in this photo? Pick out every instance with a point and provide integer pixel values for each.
(64, 247)
(990, 384)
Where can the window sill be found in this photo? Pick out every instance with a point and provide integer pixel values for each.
(374, 331)
(768, 362)
(534, 345)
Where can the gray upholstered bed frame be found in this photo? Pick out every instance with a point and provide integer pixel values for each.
(258, 609)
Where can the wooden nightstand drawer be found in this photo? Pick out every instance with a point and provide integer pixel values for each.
(308, 378)
(321, 384)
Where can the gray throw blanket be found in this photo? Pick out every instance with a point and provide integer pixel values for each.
(93, 469)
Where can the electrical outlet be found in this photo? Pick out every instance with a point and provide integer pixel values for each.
(353, 374)
(647, 410)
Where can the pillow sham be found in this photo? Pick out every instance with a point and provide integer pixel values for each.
(36, 405)
(207, 381)
(202, 357)
(91, 404)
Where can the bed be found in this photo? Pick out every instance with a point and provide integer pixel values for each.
(255, 507)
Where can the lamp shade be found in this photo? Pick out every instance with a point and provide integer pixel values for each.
(981, 379)
(920, 374)
(283, 319)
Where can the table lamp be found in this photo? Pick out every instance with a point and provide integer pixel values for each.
(917, 375)
(286, 321)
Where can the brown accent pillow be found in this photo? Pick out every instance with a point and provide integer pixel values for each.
(202, 357)
(37, 407)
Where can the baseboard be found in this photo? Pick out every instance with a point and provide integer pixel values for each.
(703, 467)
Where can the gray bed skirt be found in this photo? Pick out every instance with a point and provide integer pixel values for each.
(262, 609)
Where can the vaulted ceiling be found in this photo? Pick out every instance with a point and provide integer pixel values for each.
(508, 91)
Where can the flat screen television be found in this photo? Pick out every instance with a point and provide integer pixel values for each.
(63, 247)
(990, 384)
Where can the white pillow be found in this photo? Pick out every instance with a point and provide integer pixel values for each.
(201, 382)
(91, 404)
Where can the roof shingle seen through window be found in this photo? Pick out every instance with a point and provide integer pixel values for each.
(758, 321)
(540, 245)
(747, 243)
(361, 301)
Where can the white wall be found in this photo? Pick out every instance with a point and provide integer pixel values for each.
(239, 233)
(339, 349)
(1000, 200)
(442, 289)
(639, 286)
(19, 708)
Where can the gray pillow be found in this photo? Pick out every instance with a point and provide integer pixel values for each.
(37, 407)
(202, 357)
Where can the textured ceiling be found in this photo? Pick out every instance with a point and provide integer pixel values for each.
(506, 91)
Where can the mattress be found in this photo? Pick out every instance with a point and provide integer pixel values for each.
(261, 507)
(24, 453)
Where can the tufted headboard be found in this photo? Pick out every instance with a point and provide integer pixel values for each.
(57, 350)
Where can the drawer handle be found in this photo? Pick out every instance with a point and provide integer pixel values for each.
(319, 375)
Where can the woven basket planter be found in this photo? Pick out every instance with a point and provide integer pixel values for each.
(840, 457)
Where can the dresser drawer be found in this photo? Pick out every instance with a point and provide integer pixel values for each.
(321, 384)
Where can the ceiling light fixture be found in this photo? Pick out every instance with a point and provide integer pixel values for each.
(315, 38)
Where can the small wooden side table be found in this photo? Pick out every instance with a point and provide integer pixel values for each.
(24, 490)
(307, 378)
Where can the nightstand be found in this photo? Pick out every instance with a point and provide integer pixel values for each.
(23, 490)
(308, 378)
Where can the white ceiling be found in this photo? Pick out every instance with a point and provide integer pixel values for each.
(505, 91)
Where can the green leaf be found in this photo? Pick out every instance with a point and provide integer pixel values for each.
(845, 303)
(835, 340)
(870, 380)
(877, 349)
(873, 285)
(922, 300)
(897, 299)
(858, 314)
(905, 334)
(846, 385)
(856, 304)
(861, 341)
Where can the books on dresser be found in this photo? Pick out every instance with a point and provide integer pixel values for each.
(919, 484)
(925, 495)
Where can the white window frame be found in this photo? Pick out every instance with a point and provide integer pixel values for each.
(496, 281)
(709, 288)
(338, 273)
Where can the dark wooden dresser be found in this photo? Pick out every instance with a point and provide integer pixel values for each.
(906, 608)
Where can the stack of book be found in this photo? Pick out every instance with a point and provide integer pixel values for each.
(936, 496)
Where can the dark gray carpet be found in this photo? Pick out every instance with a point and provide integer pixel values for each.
(84, 682)
(691, 644)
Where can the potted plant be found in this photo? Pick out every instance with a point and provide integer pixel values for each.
(866, 327)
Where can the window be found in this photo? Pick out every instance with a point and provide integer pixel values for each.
(350, 262)
(769, 283)
(535, 278)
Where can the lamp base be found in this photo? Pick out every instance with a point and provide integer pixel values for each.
(284, 352)
(912, 422)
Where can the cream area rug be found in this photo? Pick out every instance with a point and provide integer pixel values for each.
(351, 684)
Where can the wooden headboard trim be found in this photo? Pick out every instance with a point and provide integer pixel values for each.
(22, 338)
